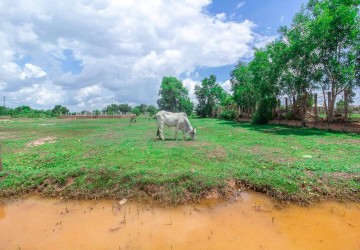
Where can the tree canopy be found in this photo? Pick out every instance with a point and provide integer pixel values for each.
(209, 95)
(320, 51)
(174, 97)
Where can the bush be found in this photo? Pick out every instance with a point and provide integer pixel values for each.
(228, 114)
(136, 111)
(264, 112)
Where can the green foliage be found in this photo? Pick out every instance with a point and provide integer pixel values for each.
(320, 51)
(59, 110)
(264, 112)
(174, 96)
(324, 47)
(142, 108)
(136, 111)
(242, 86)
(26, 112)
(228, 114)
(116, 109)
(124, 108)
(151, 109)
(209, 95)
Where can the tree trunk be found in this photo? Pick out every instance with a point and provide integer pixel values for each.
(329, 109)
(346, 105)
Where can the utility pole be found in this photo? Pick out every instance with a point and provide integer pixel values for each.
(4, 101)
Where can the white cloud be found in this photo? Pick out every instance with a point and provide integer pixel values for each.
(226, 86)
(2, 85)
(125, 48)
(39, 95)
(190, 85)
(241, 4)
(221, 16)
(31, 71)
(89, 96)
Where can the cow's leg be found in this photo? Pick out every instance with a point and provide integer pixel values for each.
(184, 137)
(176, 131)
(161, 135)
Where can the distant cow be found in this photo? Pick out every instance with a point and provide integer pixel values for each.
(178, 120)
(132, 118)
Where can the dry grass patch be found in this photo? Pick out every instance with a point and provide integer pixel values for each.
(41, 141)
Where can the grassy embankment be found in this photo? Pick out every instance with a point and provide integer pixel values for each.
(110, 158)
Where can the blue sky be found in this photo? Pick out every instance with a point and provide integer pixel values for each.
(108, 51)
(268, 15)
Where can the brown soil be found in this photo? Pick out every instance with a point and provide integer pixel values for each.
(41, 141)
(217, 153)
(9, 135)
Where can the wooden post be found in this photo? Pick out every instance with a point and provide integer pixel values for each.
(315, 108)
(286, 104)
(346, 105)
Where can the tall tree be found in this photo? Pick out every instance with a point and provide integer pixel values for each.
(151, 109)
(60, 110)
(124, 108)
(242, 87)
(209, 94)
(111, 109)
(142, 108)
(174, 96)
(324, 38)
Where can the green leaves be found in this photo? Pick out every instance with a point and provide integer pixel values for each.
(209, 94)
(321, 50)
(174, 96)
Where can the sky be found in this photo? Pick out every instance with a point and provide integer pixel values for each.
(87, 54)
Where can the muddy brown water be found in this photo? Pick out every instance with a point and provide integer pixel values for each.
(252, 222)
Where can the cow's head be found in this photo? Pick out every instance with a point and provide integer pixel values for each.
(192, 134)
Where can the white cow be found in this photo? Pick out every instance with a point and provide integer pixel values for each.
(177, 120)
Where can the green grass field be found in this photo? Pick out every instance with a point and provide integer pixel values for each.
(112, 159)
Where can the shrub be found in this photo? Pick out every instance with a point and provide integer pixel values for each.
(228, 114)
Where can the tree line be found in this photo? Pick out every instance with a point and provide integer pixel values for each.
(318, 53)
(28, 112)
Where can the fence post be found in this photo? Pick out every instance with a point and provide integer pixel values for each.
(346, 105)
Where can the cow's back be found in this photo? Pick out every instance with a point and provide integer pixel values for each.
(169, 118)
